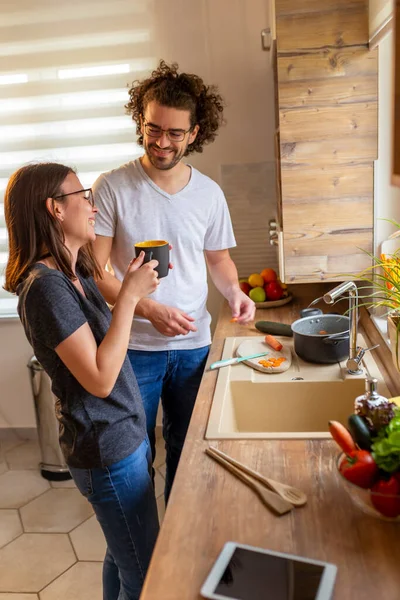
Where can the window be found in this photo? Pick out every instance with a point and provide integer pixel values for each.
(65, 69)
(387, 197)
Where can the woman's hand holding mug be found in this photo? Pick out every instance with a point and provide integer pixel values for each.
(141, 279)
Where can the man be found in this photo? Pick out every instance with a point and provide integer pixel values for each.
(161, 197)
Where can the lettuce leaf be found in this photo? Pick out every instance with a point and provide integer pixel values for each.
(386, 445)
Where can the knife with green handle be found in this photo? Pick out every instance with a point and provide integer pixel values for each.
(233, 361)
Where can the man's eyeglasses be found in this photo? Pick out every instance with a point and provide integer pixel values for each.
(174, 135)
(87, 194)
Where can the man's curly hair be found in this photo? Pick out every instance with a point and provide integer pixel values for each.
(185, 91)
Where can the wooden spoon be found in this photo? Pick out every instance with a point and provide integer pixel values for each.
(276, 503)
(287, 492)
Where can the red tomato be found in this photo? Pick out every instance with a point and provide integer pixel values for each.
(273, 290)
(360, 468)
(388, 500)
(342, 437)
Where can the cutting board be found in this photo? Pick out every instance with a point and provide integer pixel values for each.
(258, 345)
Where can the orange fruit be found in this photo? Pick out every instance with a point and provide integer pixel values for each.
(268, 275)
(255, 280)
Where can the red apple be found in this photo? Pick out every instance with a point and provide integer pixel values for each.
(273, 290)
(245, 287)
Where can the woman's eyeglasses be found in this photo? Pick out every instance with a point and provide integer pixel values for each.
(87, 194)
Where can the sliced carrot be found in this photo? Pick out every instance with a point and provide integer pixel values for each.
(272, 362)
(342, 436)
(234, 319)
(271, 341)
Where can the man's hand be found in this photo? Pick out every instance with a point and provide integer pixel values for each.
(243, 307)
(170, 321)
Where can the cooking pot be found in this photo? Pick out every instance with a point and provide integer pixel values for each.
(322, 338)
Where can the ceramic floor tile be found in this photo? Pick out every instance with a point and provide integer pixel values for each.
(160, 452)
(159, 484)
(33, 560)
(19, 487)
(10, 526)
(81, 582)
(56, 511)
(6, 445)
(69, 483)
(88, 540)
(161, 509)
(19, 597)
(24, 456)
(162, 470)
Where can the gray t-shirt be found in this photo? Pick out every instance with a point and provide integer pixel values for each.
(94, 432)
(132, 208)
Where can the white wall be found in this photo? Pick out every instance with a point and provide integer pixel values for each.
(16, 407)
(379, 12)
(219, 40)
(387, 197)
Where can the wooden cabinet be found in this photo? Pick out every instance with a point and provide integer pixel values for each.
(326, 96)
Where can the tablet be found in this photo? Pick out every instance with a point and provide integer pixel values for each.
(247, 573)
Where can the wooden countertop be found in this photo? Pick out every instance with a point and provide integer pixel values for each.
(208, 506)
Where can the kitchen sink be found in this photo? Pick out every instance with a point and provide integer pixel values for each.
(295, 404)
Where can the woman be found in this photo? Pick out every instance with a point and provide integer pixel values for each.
(82, 347)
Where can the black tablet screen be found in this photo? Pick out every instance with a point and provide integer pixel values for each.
(253, 575)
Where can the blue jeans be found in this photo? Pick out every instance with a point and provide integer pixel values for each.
(122, 496)
(174, 376)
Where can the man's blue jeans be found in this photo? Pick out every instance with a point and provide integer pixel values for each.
(174, 376)
(122, 496)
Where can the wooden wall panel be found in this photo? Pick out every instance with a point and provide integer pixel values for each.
(329, 245)
(306, 219)
(288, 7)
(322, 29)
(335, 151)
(312, 268)
(314, 65)
(328, 122)
(328, 91)
(327, 181)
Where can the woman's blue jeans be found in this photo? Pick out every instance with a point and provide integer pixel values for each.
(122, 496)
(174, 376)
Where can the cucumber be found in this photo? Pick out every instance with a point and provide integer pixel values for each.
(360, 432)
(274, 328)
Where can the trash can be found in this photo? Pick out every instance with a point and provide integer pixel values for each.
(53, 466)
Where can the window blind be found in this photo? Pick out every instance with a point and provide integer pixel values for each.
(65, 70)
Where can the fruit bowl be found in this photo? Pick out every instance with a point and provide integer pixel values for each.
(274, 303)
(366, 498)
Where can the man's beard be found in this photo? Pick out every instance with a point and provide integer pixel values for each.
(161, 163)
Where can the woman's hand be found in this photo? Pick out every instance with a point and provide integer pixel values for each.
(140, 280)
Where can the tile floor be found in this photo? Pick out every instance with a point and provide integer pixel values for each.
(51, 546)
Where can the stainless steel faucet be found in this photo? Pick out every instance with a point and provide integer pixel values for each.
(355, 353)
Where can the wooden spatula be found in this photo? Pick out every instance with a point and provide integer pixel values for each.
(287, 492)
(274, 502)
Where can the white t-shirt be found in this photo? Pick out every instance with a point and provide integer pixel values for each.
(132, 209)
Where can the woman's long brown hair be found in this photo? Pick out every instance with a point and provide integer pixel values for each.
(33, 230)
